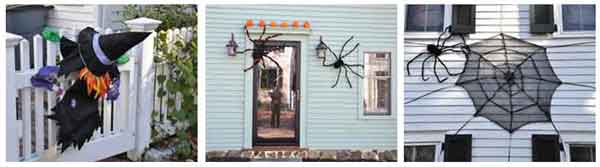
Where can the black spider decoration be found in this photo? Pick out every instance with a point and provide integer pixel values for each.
(339, 61)
(260, 50)
(436, 50)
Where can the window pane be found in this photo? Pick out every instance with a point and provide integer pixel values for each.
(408, 154)
(583, 153)
(588, 17)
(424, 18)
(579, 17)
(425, 153)
(267, 78)
(376, 84)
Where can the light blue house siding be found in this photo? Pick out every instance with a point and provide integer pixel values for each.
(331, 116)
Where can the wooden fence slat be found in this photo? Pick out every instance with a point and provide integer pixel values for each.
(38, 56)
(121, 104)
(12, 124)
(164, 105)
(26, 101)
(52, 53)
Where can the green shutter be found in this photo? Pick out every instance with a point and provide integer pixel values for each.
(541, 19)
(463, 19)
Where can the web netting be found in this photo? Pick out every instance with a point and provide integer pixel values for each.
(510, 81)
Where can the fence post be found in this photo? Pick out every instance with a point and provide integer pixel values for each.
(12, 140)
(144, 57)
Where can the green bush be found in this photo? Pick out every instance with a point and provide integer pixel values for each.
(172, 16)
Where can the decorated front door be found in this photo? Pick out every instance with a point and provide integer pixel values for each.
(276, 96)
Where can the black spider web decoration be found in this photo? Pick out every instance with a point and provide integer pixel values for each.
(510, 81)
(339, 62)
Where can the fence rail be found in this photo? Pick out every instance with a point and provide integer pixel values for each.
(125, 122)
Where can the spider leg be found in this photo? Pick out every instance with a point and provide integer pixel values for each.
(244, 51)
(248, 35)
(448, 70)
(343, 46)
(352, 50)
(423, 68)
(356, 65)
(255, 63)
(262, 59)
(273, 36)
(351, 70)
(412, 60)
(263, 32)
(328, 65)
(330, 51)
(435, 62)
(338, 78)
(273, 60)
(347, 78)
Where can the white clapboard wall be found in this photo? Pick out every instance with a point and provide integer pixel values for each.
(427, 120)
(68, 16)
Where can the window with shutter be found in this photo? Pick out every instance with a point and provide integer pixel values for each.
(545, 148)
(541, 19)
(457, 148)
(582, 152)
(463, 19)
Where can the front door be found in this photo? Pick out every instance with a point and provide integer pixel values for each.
(276, 96)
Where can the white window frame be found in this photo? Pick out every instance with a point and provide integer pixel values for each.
(437, 157)
(558, 20)
(393, 86)
(428, 35)
(568, 148)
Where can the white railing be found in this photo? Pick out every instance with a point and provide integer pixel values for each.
(125, 122)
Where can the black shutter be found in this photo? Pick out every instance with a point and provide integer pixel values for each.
(541, 19)
(545, 148)
(463, 19)
(457, 148)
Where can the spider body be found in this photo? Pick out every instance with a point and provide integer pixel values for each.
(260, 50)
(339, 63)
(435, 51)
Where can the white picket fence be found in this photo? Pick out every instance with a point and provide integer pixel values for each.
(126, 121)
(160, 103)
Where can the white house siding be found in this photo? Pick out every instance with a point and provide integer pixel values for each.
(427, 120)
(332, 120)
(69, 17)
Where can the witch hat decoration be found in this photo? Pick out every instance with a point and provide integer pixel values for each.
(93, 57)
(95, 51)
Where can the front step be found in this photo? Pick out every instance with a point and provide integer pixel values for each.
(295, 154)
(277, 153)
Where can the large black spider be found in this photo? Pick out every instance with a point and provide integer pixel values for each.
(435, 51)
(339, 62)
(260, 50)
